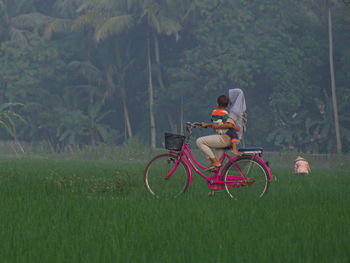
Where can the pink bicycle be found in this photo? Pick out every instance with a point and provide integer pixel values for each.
(169, 174)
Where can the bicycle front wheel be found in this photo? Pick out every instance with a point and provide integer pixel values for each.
(159, 184)
(253, 184)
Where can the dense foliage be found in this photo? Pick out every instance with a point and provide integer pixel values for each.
(102, 71)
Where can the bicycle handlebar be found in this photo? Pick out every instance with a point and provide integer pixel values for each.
(189, 127)
(193, 124)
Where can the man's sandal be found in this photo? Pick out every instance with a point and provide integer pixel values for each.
(213, 167)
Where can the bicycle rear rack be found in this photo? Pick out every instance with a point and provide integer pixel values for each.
(252, 151)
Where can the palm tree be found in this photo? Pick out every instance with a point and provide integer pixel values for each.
(93, 77)
(120, 70)
(157, 20)
(161, 18)
(111, 18)
(9, 28)
(328, 4)
(19, 18)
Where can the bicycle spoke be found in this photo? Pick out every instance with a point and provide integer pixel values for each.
(157, 181)
(256, 180)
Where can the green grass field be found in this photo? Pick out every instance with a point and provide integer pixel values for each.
(99, 211)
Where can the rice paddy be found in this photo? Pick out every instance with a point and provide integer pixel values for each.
(99, 211)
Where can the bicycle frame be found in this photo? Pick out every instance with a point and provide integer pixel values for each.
(187, 156)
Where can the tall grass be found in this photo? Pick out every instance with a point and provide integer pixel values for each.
(80, 211)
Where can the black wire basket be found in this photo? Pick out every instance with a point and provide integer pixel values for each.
(174, 142)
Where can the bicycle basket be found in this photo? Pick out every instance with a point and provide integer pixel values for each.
(174, 142)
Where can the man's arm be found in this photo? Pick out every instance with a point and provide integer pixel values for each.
(206, 125)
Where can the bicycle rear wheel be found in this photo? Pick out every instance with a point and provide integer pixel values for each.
(155, 177)
(256, 181)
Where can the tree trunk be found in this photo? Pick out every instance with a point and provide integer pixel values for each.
(150, 93)
(334, 98)
(92, 138)
(159, 71)
(125, 108)
(122, 90)
(173, 126)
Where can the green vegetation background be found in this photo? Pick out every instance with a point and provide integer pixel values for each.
(81, 69)
(99, 211)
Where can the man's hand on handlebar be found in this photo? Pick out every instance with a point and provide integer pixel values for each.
(193, 124)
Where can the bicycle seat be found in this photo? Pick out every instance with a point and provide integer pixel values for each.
(255, 150)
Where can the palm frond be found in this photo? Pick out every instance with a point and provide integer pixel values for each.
(87, 69)
(89, 19)
(12, 114)
(86, 6)
(6, 116)
(18, 37)
(129, 64)
(154, 22)
(113, 26)
(182, 74)
(10, 104)
(150, 6)
(169, 26)
(6, 127)
(103, 115)
(192, 6)
(58, 25)
(98, 5)
(30, 21)
(103, 131)
(66, 7)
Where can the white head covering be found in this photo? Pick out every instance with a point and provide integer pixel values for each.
(238, 107)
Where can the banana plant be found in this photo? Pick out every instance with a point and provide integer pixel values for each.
(7, 116)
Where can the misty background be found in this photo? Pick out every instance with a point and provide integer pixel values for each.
(110, 72)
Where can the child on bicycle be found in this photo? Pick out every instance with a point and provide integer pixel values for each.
(219, 116)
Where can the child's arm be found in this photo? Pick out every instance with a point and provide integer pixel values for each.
(236, 128)
(229, 124)
(226, 125)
